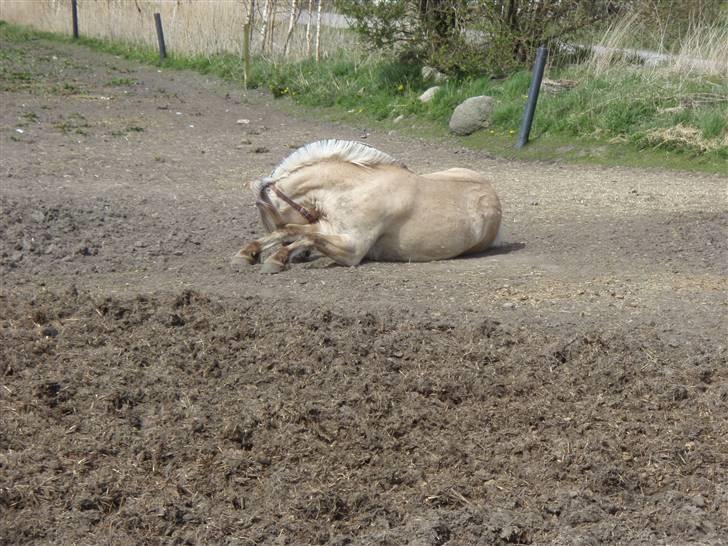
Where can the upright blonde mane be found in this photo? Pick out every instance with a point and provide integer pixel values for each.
(343, 150)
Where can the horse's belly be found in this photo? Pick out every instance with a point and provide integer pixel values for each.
(452, 226)
(390, 250)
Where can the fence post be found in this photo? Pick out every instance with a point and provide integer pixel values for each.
(246, 53)
(160, 37)
(533, 91)
(74, 14)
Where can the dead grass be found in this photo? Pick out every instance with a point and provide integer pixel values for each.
(685, 138)
(191, 27)
(702, 51)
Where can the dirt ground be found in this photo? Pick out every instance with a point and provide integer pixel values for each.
(569, 387)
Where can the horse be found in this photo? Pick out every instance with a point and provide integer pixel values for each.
(349, 201)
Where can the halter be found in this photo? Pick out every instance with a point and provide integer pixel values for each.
(311, 217)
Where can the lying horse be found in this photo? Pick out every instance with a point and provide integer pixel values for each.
(349, 201)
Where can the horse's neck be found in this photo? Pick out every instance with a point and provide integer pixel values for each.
(324, 176)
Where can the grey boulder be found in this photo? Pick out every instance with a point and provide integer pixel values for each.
(473, 114)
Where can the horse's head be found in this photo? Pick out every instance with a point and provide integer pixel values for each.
(276, 208)
(275, 194)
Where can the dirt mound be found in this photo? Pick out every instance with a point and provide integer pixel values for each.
(189, 417)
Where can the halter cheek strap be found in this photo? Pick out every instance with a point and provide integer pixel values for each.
(311, 217)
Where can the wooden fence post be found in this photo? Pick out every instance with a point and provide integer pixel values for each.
(246, 54)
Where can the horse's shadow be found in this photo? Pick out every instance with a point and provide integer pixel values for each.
(505, 248)
(322, 262)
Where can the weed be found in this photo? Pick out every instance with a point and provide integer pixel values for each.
(65, 88)
(29, 116)
(126, 130)
(73, 123)
(122, 82)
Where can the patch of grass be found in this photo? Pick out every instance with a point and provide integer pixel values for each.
(65, 88)
(592, 151)
(121, 82)
(14, 81)
(21, 76)
(624, 108)
(73, 123)
(126, 130)
(547, 147)
(29, 116)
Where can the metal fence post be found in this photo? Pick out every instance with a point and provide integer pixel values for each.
(74, 14)
(538, 69)
(160, 37)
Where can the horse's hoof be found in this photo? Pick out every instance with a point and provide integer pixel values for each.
(267, 253)
(239, 260)
(271, 267)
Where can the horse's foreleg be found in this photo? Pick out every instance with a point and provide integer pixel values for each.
(339, 248)
(276, 262)
(251, 253)
(248, 255)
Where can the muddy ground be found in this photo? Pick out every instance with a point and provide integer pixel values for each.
(569, 387)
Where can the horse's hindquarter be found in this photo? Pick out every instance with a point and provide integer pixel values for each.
(454, 212)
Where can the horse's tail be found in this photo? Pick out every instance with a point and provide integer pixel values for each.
(498, 241)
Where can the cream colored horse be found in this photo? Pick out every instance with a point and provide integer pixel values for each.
(349, 201)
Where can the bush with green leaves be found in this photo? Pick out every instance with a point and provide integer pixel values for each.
(466, 37)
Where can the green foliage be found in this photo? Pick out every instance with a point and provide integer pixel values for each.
(466, 37)
(620, 107)
(712, 122)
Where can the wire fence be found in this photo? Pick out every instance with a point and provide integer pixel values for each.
(290, 29)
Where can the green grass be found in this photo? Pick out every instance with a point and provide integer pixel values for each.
(121, 82)
(73, 123)
(626, 107)
(625, 114)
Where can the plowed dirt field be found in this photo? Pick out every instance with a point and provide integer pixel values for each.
(568, 387)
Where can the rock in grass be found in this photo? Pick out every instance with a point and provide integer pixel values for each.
(473, 114)
(430, 73)
(428, 95)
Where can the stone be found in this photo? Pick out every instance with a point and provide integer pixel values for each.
(428, 95)
(433, 74)
(472, 114)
